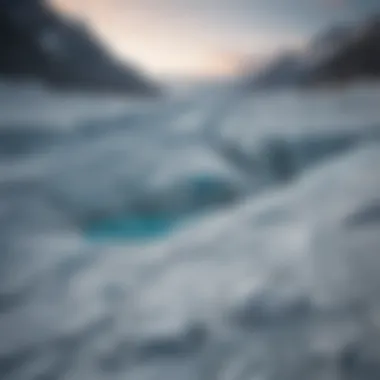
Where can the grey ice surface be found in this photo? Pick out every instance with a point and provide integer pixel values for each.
(276, 280)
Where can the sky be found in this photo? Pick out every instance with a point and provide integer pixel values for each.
(208, 37)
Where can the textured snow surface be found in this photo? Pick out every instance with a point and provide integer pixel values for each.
(266, 267)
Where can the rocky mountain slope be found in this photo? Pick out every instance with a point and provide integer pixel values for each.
(38, 44)
(339, 55)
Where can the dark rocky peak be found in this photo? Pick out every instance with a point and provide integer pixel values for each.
(36, 43)
(343, 53)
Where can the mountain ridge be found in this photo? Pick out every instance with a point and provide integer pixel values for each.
(342, 54)
(38, 44)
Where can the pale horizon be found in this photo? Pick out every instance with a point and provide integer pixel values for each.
(206, 38)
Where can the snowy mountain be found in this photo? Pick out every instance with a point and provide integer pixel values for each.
(357, 56)
(342, 53)
(38, 44)
(286, 70)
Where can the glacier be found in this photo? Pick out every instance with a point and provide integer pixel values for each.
(177, 241)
